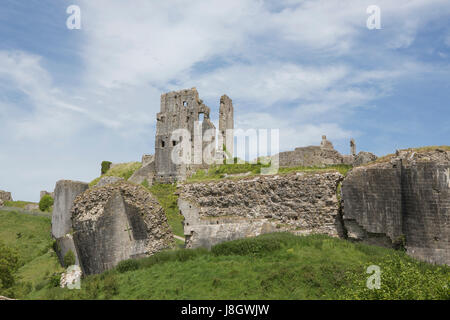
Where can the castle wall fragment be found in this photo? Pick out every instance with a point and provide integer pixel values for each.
(302, 203)
(403, 202)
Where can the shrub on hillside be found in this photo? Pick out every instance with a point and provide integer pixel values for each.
(46, 203)
(105, 166)
(9, 263)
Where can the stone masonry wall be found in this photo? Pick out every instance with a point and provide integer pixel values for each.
(228, 209)
(403, 201)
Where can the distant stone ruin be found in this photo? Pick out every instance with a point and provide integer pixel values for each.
(325, 154)
(5, 196)
(45, 193)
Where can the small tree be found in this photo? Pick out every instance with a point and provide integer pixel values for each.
(106, 165)
(46, 203)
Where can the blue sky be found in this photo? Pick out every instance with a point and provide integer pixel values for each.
(72, 98)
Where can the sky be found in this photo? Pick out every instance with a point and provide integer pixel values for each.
(71, 98)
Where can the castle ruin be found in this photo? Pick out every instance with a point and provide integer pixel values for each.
(185, 110)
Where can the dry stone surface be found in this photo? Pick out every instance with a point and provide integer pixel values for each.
(404, 200)
(117, 222)
(223, 210)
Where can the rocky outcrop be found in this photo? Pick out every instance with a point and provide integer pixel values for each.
(402, 201)
(228, 209)
(117, 222)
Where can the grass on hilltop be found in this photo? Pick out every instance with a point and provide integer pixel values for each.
(121, 170)
(217, 172)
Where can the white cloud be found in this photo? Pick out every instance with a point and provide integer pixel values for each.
(300, 66)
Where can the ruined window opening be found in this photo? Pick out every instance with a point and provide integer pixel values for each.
(201, 116)
(174, 143)
(185, 103)
(163, 144)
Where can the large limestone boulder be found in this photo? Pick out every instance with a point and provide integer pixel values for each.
(117, 222)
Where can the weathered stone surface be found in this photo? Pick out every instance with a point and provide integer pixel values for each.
(228, 209)
(1, 203)
(147, 158)
(364, 157)
(117, 222)
(65, 193)
(108, 180)
(145, 173)
(179, 110)
(405, 197)
(5, 196)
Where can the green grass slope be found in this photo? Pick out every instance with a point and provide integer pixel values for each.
(30, 236)
(272, 266)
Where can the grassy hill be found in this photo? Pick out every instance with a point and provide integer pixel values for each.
(29, 236)
(272, 266)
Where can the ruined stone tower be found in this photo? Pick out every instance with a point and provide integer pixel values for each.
(352, 147)
(180, 110)
(226, 126)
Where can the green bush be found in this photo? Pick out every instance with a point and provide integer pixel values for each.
(127, 265)
(46, 203)
(105, 166)
(9, 264)
(69, 258)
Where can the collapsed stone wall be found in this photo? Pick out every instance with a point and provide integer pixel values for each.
(116, 222)
(405, 200)
(228, 209)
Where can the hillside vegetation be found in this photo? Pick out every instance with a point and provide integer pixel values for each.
(29, 237)
(121, 170)
(217, 172)
(272, 266)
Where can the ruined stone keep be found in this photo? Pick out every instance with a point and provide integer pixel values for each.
(183, 110)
